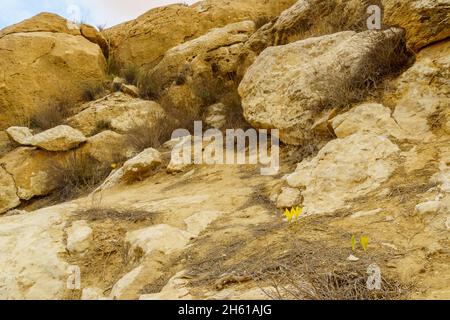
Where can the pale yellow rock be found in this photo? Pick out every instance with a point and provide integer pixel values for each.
(144, 41)
(79, 237)
(58, 63)
(118, 112)
(422, 94)
(107, 147)
(20, 135)
(289, 197)
(288, 85)
(343, 170)
(161, 237)
(130, 90)
(31, 246)
(196, 74)
(216, 116)
(370, 117)
(60, 138)
(125, 282)
(30, 169)
(175, 289)
(8, 192)
(425, 21)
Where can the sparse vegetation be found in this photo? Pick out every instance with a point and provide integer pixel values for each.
(51, 115)
(131, 74)
(77, 175)
(93, 92)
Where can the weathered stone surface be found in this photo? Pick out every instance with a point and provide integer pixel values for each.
(428, 207)
(30, 169)
(175, 289)
(161, 237)
(422, 95)
(343, 170)
(20, 135)
(8, 192)
(60, 138)
(126, 281)
(370, 117)
(425, 21)
(288, 86)
(135, 169)
(107, 147)
(289, 197)
(130, 90)
(117, 112)
(79, 237)
(57, 63)
(5, 143)
(216, 116)
(31, 246)
(90, 33)
(145, 40)
(198, 73)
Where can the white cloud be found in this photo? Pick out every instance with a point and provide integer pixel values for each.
(111, 12)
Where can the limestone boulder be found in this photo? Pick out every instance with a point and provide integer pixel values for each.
(60, 138)
(31, 246)
(369, 117)
(31, 170)
(45, 59)
(117, 112)
(108, 147)
(144, 41)
(425, 21)
(289, 87)
(20, 135)
(421, 95)
(8, 192)
(343, 170)
(289, 197)
(199, 72)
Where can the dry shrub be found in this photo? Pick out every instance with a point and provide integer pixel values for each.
(93, 92)
(148, 87)
(261, 21)
(294, 283)
(101, 213)
(131, 74)
(77, 175)
(51, 115)
(388, 59)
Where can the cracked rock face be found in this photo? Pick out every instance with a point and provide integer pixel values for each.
(8, 192)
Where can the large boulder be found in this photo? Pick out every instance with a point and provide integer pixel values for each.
(421, 95)
(44, 59)
(343, 170)
(200, 72)
(289, 87)
(425, 21)
(144, 41)
(118, 112)
(8, 192)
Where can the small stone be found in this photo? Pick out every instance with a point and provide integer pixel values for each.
(428, 207)
(79, 236)
(20, 135)
(352, 258)
(289, 197)
(130, 90)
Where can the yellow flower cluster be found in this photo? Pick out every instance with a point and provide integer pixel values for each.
(293, 214)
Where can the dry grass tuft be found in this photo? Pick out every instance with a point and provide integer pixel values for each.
(51, 115)
(78, 175)
(93, 92)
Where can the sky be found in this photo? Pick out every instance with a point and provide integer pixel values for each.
(95, 12)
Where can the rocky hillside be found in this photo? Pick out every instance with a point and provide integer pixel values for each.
(94, 204)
